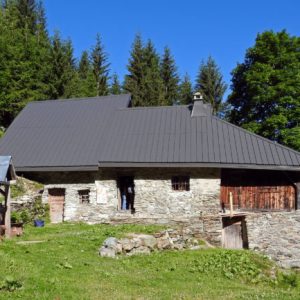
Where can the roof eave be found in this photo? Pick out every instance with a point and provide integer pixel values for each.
(197, 165)
(56, 168)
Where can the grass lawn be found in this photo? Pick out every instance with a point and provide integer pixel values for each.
(66, 265)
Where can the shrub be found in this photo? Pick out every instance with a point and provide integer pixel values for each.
(232, 264)
(38, 210)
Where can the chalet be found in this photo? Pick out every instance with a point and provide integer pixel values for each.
(102, 160)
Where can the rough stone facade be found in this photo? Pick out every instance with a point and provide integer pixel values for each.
(276, 234)
(155, 201)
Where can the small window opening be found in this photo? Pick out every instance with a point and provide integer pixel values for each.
(180, 183)
(84, 196)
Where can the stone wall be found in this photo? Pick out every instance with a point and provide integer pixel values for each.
(155, 201)
(276, 234)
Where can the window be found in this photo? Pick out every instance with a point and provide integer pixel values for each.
(181, 183)
(84, 196)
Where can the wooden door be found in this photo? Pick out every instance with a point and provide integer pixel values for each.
(232, 236)
(56, 200)
(234, 233)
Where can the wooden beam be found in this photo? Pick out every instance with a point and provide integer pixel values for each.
(297, 204)
(2, 192)
(7, 212)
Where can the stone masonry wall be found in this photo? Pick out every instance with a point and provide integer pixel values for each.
(154, 202)
(276, 234)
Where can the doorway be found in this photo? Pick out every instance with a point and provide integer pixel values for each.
(126, 192)
(234, 233)
(56, 200)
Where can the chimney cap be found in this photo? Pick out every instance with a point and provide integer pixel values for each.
(198, 96)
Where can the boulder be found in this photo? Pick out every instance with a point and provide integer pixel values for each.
(178, 246)
(107, 252)
(110, 242)
(148, 241)
(137, 242)
(163, 243)
(127, 244)
(139, 250)
(119, 248)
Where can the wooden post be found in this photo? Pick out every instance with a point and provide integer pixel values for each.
(231, 204)
(7, 212)
(297, 204)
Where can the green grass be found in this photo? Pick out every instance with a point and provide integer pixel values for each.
(66, 265)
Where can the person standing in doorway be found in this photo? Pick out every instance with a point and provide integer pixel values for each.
(124, 199)
(130, 196)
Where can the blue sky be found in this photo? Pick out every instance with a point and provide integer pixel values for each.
(192, 29)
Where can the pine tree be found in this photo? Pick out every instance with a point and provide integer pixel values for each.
(63, 67)
(153, 93)
(100, 67)
(168, 71)
(70, 74)
(84, 65)
(185, 91)
(86, 83)
(210, 83)
(24, 58)
(134, 81)
(115, 87)
(27, 16)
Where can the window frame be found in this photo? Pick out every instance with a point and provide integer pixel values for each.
(180, 183)
(84, 196)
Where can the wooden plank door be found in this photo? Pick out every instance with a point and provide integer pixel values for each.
(56, 200)
(232, 236)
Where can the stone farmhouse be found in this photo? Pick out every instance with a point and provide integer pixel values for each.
(102, 160)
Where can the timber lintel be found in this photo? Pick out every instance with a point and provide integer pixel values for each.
(2, 192)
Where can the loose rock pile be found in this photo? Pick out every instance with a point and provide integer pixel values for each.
(145, 243)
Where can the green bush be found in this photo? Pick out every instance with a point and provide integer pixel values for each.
(39, 211)
(233, 264)
(18, 189)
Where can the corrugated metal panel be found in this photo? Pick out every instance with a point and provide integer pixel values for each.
(4, 167)
(61, 132)
(103, 130)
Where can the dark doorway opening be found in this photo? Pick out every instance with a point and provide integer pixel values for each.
(126, 187)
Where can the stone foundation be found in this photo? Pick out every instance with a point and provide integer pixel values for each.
(276, 234)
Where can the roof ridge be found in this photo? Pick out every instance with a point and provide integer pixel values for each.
(257, 135)
(153, 107)
(78, 99)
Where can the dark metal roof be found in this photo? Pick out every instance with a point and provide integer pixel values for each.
(169, 135)
(7, 172)
(61, 133)
(85, 134)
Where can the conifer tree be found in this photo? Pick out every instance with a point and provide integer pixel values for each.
(27, 16)
(63, 67)
(185, 91)
(210, 83)
(170, 78)
(134, 81)
(86, 80)
(100, 67)
(24, 58)
(115, 88)
(84, 65)
(153, 93)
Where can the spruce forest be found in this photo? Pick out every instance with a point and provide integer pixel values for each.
(265, 88)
